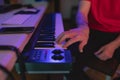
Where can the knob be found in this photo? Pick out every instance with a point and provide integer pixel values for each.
(57, 57)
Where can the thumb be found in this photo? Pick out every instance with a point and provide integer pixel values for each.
(81, 46)
(99, 51)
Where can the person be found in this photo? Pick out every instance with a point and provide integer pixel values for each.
(95, 42)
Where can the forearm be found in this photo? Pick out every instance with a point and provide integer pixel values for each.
(82, 13)
(82, 22)
(81, 19)
(116, 42)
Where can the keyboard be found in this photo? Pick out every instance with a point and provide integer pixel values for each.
(51, 27)
(42, 54)
(16, 19)
(46, 37)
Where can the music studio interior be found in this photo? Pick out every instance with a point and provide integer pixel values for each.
(30, 27)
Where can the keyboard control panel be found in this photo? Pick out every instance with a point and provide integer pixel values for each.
(48, 56)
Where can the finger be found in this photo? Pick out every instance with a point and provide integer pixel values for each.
(82, 44)
(99, 51)
(63, 38)
(60, 38)
(71, 41)
(102, 54)
(98, 54)
(102, 57)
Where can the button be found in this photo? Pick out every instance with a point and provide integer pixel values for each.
(57, 51)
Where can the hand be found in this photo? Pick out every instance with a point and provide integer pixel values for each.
(106, 52)
(74, 35)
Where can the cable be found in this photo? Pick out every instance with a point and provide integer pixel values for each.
(20, 59)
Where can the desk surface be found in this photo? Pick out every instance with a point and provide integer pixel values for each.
(8, 58)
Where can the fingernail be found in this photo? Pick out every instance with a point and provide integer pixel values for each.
(63, 46)
(81, 51)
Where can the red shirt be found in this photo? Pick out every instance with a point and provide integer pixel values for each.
(104, 15)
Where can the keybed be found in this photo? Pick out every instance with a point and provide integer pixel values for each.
(52, 27)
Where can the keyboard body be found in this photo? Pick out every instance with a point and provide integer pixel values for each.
(45, 56)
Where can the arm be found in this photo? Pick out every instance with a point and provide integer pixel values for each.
(116, 42)
(82, 14)
(78, 34)
(107, 51)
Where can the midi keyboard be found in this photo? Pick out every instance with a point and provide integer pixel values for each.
(45, 56)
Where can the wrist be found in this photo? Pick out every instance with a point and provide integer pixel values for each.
(84, 29)
(116, 43)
